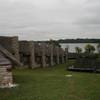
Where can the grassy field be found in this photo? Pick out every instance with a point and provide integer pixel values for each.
(52, 84)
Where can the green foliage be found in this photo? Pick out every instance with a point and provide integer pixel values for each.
(54, 42)
(89, 48)
(78, 50)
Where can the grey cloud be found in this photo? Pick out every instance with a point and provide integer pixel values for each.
(44, 19)
(92, 13)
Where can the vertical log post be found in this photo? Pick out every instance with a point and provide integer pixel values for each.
(66, 54)
(62, 56)
(43, 55)
(32, 55)
(51, 55)
(57, 51)
(15, 47)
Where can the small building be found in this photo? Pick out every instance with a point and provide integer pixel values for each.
(11, 44)
(6, 62)
(5, 71)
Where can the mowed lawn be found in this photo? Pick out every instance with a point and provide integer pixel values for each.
(52, 84)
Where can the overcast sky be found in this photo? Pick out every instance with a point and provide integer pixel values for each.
(50, 19)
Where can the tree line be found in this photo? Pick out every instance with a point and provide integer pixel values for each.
(88, 49)
(71, 41)
(79, 41)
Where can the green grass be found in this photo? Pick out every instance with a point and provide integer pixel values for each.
(52, 84)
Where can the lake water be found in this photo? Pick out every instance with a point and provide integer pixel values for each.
(72, 46)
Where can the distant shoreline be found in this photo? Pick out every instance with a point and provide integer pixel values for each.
(74, 41)
(79, 41)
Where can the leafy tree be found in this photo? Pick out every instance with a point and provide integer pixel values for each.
(78, 50)
(89, 48)
(54, 42)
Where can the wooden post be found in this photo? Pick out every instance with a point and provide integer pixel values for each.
(66, 54)
(32, 55)
(62, 56)
(43, 55)
(15, 47)
(57, 51)
(51, 55)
